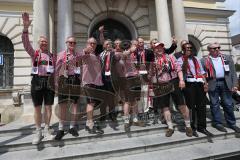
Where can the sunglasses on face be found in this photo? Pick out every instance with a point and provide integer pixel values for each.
(216, 48)
(189, 48)
(71, 42)
(43, 41)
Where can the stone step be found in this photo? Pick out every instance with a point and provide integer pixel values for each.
(18, 142)
(224, 149)
(21, 128)
(76, 148)
(18, 129)
(24, 142)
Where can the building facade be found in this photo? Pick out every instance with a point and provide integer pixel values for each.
(200, 21)
(236, 48)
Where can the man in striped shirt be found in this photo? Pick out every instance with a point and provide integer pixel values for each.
(42, 71)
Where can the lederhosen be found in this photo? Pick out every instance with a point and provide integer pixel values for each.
(163, 91)
(133, 83)
(42, 87)
(67, 82)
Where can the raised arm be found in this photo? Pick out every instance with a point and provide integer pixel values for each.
(101, 36)
(173, 46)
(25, 37)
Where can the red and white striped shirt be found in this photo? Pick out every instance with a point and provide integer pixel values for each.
(42, 59)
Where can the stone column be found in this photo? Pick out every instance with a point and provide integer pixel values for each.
(179, 21)
(163, 23)
(40, 20)
(64, 22)
(52, 39)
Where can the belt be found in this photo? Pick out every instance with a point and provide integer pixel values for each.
(40, 77)
(194, 80)
(220, 79)
(69, 76)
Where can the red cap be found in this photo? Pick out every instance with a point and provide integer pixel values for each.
(158, 44)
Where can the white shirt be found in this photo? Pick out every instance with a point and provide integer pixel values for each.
(192, 69)
(218, 66)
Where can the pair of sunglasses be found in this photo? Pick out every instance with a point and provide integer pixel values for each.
(216, 48)
(72, 42)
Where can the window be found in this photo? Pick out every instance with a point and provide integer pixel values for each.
(6, 70)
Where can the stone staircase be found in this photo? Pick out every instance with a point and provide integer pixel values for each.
(141, 143)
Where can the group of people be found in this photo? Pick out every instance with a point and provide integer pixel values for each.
(120, 71)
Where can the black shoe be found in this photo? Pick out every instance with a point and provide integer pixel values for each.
(220, 128)
(102, 119)
(98, 129)
(113, 117)
(195, 134)
(74, 132)
(206, 132)
(127, 127)
(60, 134)
(235, 128)
(94, 130)
(90, 131)
(155, 121)
(163, 121)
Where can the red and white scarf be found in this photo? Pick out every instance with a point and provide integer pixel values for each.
(196, 67)
(107, 66)
(210, 68)
(164, 60)
(142, 57)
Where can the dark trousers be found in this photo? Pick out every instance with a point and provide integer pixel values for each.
(225, 94)
(109, 97)
(196, 101)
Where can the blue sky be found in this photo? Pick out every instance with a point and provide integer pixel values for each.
(234, 19)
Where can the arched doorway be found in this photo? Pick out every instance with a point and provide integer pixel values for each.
(113, 30)
(196, 44)
(6, 70)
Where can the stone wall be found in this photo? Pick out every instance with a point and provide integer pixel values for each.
(11, 26)
(134, 14)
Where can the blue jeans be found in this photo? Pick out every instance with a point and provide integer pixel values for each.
(225, 94)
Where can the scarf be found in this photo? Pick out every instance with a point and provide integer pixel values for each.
(209, 66)
(107, 66)
(38, 61)
(164, 61)
(186, 67)
(67, 60)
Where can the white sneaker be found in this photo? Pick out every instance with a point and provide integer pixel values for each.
(135, 120)
(48, 134)
(37, 137)
(126, 119)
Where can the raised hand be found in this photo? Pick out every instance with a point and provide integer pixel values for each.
(133, 48)
(101, 28)
(174, 40)
(88, 50)
(26, 21)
